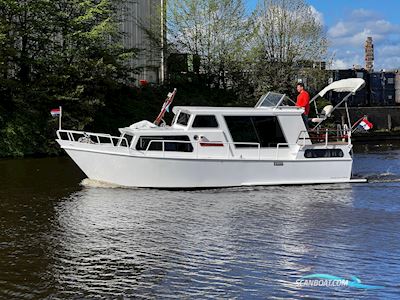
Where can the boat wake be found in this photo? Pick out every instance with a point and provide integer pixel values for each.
(384, 177)
(372, 178)
(100, 184)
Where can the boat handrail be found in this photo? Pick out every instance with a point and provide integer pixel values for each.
(163, 144)
(70, 135)
(278, 147)
(197, 143)
(323, 135)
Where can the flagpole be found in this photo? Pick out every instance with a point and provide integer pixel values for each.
(59, 118)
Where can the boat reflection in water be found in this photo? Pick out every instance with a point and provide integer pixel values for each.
(239, 242)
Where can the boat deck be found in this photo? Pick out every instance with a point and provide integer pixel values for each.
(330, 143)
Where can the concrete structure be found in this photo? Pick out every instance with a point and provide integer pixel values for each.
(369, 54)
(140, 20)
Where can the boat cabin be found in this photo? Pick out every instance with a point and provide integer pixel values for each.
(273, 129)
(219, 131)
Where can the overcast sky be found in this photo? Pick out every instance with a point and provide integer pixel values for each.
(349, 22)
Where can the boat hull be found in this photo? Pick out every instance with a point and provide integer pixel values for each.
(163, 172)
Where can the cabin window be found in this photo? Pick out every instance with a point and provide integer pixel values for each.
(264, 130)
(318, 153)
(205, 121)
(156, 145)
(183, 119)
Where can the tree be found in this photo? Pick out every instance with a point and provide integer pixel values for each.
(249, 54)
(289, 37)
(216, 31)
(65, 52)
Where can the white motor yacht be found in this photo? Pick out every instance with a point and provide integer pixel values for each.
(207, 147)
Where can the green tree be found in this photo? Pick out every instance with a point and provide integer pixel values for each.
(65, 52)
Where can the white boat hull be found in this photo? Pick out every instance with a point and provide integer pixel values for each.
(206, 147)
(162, 172)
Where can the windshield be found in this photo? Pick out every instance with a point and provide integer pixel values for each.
(183, 119)
(272, 99)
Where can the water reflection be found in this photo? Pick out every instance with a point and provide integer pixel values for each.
(250, 243)
(62, 240)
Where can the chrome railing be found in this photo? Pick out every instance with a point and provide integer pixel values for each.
(324, 136)
(278, 147)
(119, 141)
(151, 142)
(92, 138)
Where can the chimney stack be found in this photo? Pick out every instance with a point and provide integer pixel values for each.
(369, 54)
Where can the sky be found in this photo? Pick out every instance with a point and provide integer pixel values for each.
(349, 22)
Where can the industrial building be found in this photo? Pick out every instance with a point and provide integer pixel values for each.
(382, 88)
(143, 27)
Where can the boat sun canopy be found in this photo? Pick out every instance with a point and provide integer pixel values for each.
(350, 85)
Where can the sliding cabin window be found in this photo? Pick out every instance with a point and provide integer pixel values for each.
(156, 145)
(264, 130)
(205, 121)
(183, 119)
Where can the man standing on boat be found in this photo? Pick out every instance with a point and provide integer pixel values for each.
(303, 100)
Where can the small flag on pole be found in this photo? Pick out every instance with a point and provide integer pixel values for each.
(365, 124)
(55, 112)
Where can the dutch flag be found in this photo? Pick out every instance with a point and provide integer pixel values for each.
(365, 124)
(55, 112)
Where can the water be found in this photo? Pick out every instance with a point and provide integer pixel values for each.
(61, 239)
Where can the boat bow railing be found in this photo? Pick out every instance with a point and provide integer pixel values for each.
(92, 138)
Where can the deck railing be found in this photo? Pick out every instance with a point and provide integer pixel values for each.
(92, 138)
(324, 136)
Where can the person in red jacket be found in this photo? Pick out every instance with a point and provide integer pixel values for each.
(303, 100)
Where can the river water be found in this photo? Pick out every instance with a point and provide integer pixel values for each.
(63, 238)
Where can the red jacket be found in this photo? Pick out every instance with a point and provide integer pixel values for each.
(303, 100)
